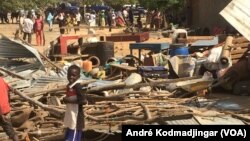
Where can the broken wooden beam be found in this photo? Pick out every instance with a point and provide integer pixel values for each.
(45, 107)
(62, 87)
(106, 87)
(117, 97)
(12, 73)
(159, 82)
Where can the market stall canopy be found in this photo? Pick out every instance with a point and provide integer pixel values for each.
(237, 13)
(12, 49)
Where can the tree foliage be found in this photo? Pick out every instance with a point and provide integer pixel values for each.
(41, 4)
(11, 5)
(161, 4)
(112, 3)
(120, 3)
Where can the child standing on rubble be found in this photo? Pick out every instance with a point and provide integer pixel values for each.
(74, 116)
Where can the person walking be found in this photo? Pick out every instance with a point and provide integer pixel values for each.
(50, 21)
(139, 23)
(28, 28)
(38, 28)
(78, 19)
(109, 19)
(61, 22)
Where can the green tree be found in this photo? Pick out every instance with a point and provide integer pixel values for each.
(119, 3)
(10, 5)
(161, 4)
(112, 3)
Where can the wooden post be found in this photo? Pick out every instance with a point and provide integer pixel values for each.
(226, 51)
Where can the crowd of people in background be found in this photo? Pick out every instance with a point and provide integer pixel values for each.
(101, 18)
(68, 20)
(32, 23)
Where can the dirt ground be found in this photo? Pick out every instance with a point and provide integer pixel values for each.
(121, 49)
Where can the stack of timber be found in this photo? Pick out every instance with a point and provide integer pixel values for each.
(240, 49)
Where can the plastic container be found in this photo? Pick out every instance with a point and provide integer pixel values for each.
(178, 49)
(87, 65)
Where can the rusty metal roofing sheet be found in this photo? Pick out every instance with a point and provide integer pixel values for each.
(237, 13)
(14, 49)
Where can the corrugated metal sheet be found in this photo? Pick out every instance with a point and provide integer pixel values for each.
(237, 13)
(21, 68)
(218, 120)
(212, 120)
(189, 121)
(14, 49)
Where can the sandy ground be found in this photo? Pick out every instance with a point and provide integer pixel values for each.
(121, 49)
(9, 30)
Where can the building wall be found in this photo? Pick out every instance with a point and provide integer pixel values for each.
(205, 13)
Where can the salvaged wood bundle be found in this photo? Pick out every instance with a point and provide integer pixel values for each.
(240, 49)
(38, 110)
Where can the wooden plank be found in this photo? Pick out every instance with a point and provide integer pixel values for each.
(129, 68)
(194, 87)
(12, 73)
(70, 55)
(239, 51)
(192, 39)
(237, 56)
(21, 84)
(242, 45)
(139, 37)
(53, 100)
(240, 40)
(244, 117)
(200, 37)
(235, 61)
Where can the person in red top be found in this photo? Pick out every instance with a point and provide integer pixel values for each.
(5, 110)
(38, 28)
